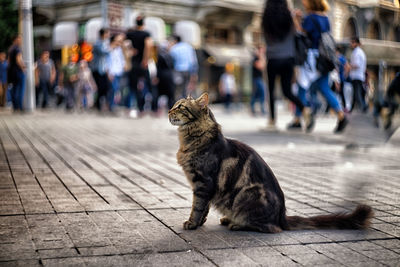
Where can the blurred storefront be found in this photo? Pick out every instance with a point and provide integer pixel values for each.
(221, 30)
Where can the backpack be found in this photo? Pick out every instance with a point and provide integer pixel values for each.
(327, 59)
(302, 44)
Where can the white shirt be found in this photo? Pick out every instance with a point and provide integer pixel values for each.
(116, 62)
(359, 60)
(228, 83)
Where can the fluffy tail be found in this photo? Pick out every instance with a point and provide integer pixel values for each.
(358, 219)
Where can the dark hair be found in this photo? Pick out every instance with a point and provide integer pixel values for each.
(103, 31)
(113, 37)
(139, 21)
(355, 39)
(177, 38)
(277, 20)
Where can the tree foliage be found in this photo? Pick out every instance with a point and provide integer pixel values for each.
(8, 23)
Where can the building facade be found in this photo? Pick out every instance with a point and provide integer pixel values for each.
(229, 29)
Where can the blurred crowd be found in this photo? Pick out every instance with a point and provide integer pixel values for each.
(131, 72)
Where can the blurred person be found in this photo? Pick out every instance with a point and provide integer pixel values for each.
(357, 69)
(391, 102)
(185, 66)
(101, 51)
(165, 69)
(16, 74)
(45, 74)
(279, 32)
(128, 52)
(227, 85)
(3, 79)
(68, 80)
(258, 94)
(314, 24)
(343, 76)
(116, 65)
(86, 86)
(140, 77)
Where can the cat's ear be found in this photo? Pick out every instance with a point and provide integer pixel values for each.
(203, 100)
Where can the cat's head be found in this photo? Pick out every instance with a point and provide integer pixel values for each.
(186, 111)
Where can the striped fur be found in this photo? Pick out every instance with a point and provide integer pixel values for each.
(233, 178)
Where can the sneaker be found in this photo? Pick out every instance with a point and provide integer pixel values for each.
(341, 125)
(295, 125)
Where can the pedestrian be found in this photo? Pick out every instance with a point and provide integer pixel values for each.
(391, 104)
(357, 68)
(185, 66)
(68, 79)
(116, 67)
(16, 74)
(128, 94)
(140, 77)
(86, 86)
(45, 75)
(343, 77)
(227, 85)
(3, 79)
(279, 32)
(314, 24)
(165, 69)
(101, 51)
(258, 94)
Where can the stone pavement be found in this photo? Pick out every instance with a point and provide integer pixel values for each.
(90, 190)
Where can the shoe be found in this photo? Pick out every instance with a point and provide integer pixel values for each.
(311, 123)
(307, 114)
(386, 119)
(295, 125)
(341, 125)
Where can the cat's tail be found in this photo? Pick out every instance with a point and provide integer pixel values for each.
(358, 219)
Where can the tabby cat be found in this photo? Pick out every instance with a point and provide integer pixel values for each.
(233, 178)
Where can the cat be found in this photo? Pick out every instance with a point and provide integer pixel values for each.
(234, 178)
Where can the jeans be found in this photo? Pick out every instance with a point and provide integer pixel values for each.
(103, 86)
(358, 95)
(330, 97)
(115, 84)
(18, 90)
(284, 67)
(44, 88)
(258, 94)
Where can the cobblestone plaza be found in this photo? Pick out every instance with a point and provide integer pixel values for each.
(90, 190)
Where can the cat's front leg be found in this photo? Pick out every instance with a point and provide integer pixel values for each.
(200, 208)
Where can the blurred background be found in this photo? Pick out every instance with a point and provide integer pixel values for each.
(221, 31)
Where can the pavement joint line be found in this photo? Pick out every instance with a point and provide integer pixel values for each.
(47, 163)
(153, 215)
(44, 160)
(68, 165)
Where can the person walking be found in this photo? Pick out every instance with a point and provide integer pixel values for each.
(3, 79)
(258, 93)
(314, 24)
(101, 51)
(16, 74)
(68, 79)
(116, 65)
(357, 68)
(86, 86)
(45, 75)
(227, 85)
(185, 66)
(279, 31)
(165, 68)
(140, 81)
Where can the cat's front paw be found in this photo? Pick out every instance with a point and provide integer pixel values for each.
(203, 221)
(189, 225)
